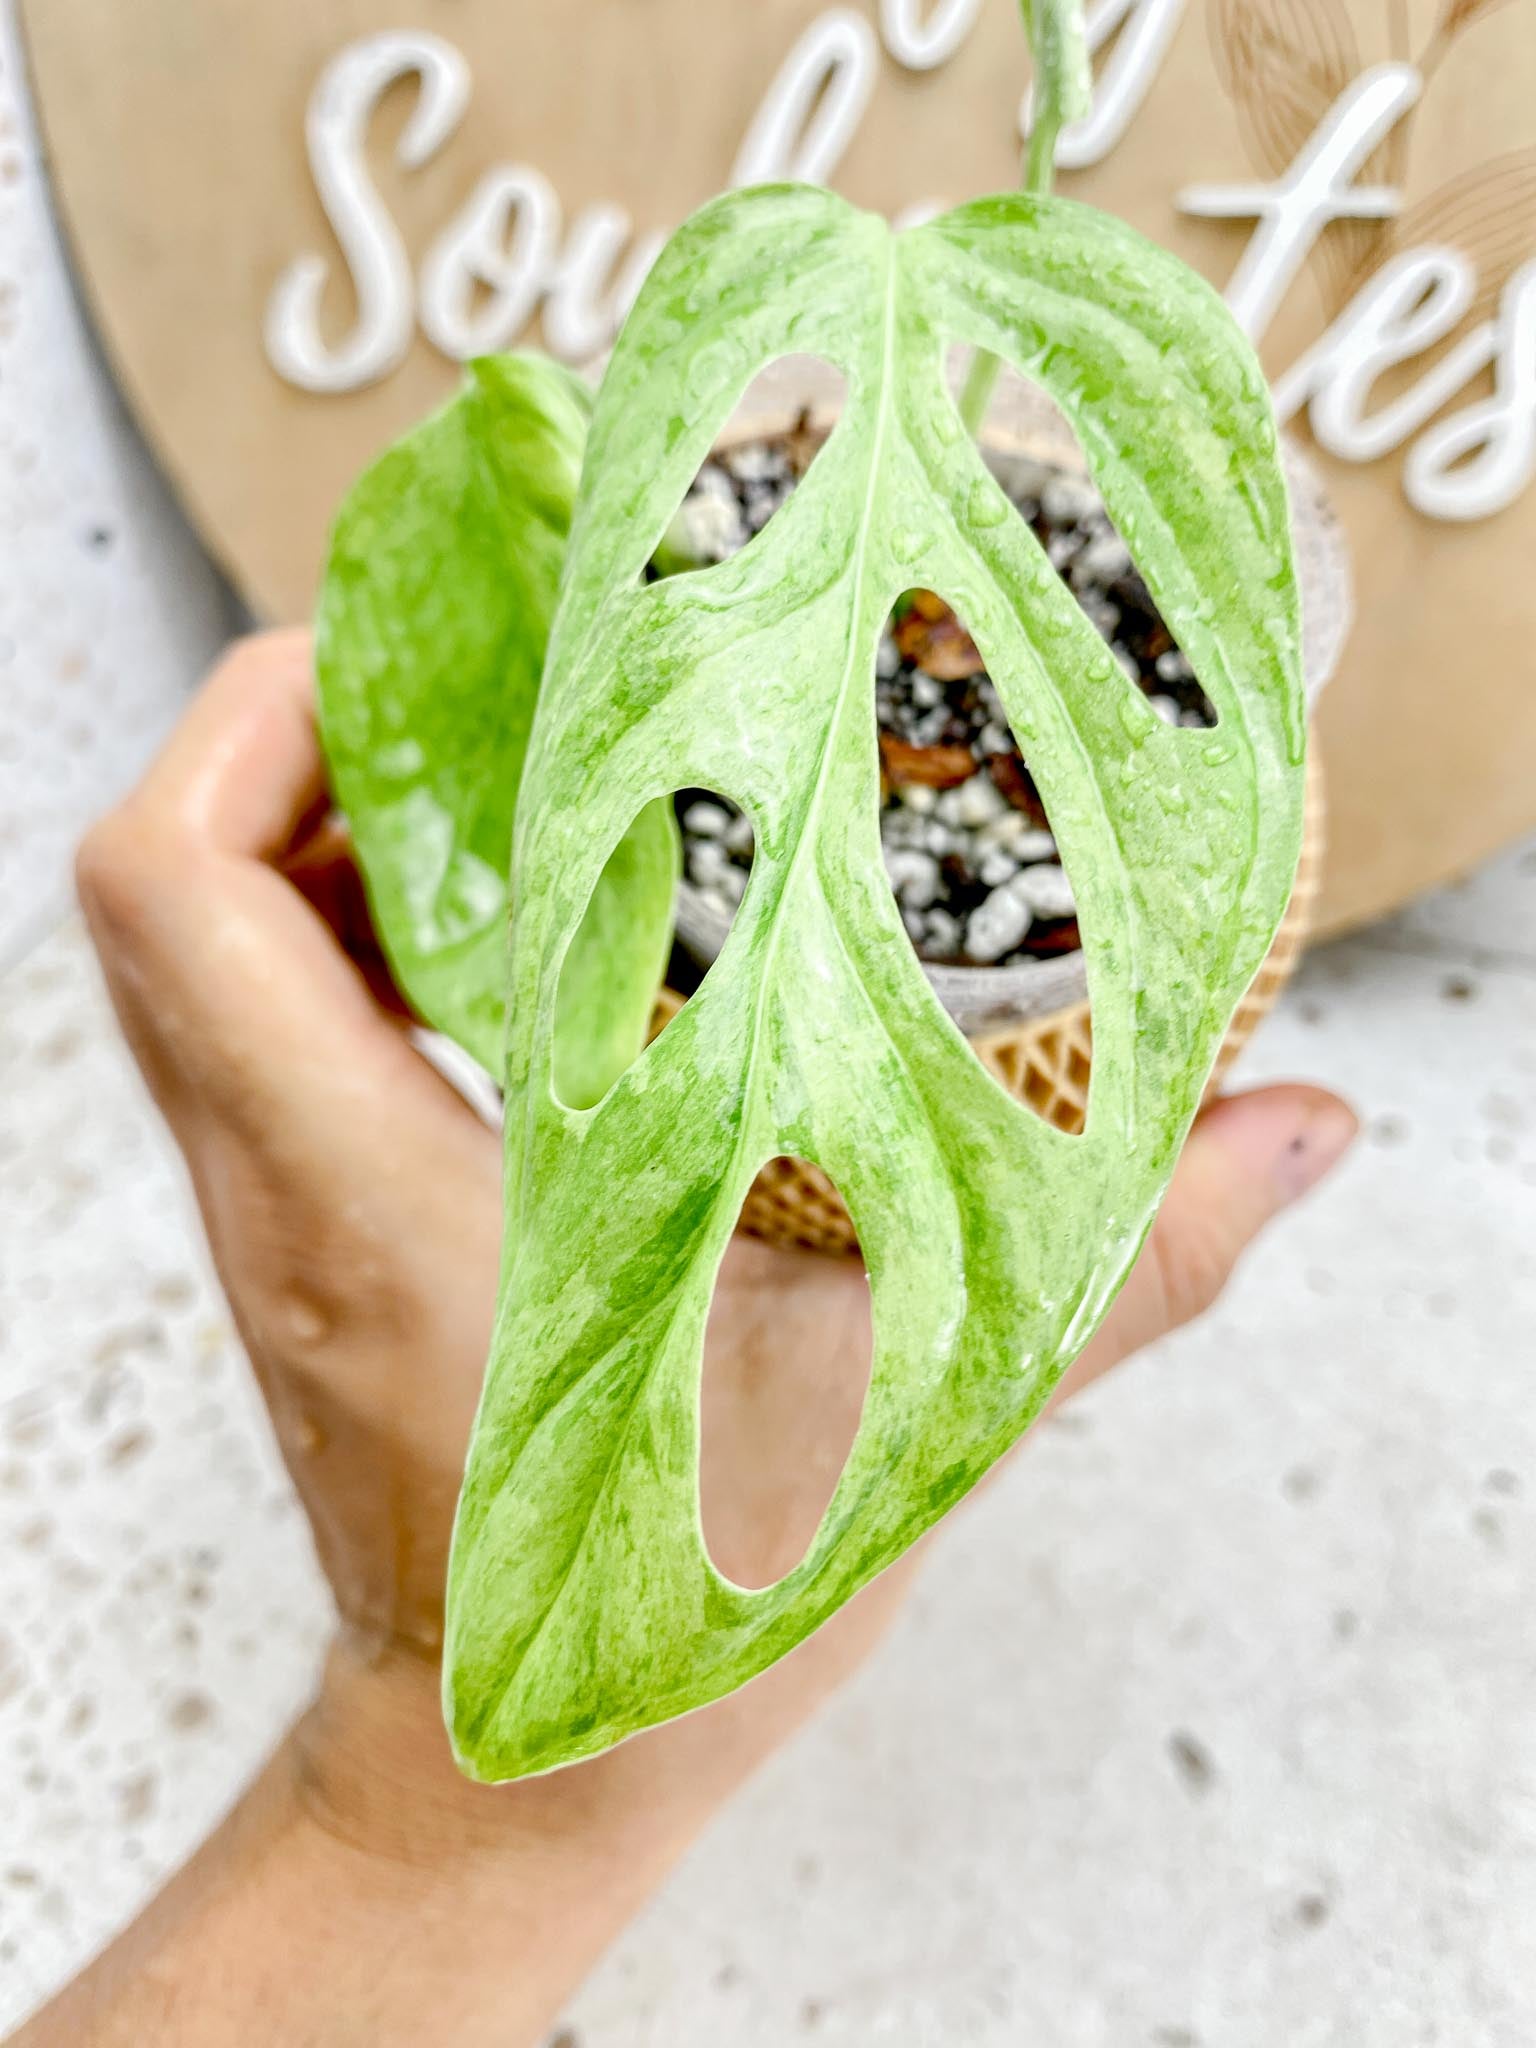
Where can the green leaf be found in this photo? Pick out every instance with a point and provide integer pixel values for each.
(433, 622)
(582, 1603)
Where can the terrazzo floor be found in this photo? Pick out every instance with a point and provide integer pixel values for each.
(1210, 1727)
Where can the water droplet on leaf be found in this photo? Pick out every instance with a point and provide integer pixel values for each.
(711, 367)
(946, 425)
(986, 506)
(1138, 719)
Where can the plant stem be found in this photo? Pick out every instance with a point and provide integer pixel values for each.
(1039, 172)
(1040, 162)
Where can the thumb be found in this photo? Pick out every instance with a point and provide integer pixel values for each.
(1248, 1158)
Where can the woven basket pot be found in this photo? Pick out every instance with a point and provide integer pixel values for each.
(1030, 1027)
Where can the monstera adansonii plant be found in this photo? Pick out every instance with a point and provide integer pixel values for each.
(509, 697)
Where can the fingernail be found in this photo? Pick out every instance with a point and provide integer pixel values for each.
(1318, 1142)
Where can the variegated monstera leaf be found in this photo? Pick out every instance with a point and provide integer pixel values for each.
(582, 1602)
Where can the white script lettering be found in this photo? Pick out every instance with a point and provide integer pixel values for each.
(507, 254)
(1293, 212)
(336, 128)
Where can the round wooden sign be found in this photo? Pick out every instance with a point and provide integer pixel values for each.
(292, 219)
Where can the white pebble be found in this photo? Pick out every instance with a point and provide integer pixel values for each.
(1128, 663)
(1166, 709)
(939, 839)
(731, 884)
(919, 797)
(903, 827)
(975, 802)
(1069, 497)
(1173, 667)
(1104, 558)
(887, 658)
(917, 931)
(914, 876)
(1023, 840)
(1103, 616)
(705, 820)
(739, 837)
(942, 932)
(707, 862)
(995, 739)
(755, 462)
(926, 690)
(1034, 845)
(1021, 476)
(713, 527)
(1044, 890)
(996, 926)
(713, 482)
(997, 867)
(761, 506)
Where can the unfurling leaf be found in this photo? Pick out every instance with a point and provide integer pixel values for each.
(1062, 92)
(1063, 73)
(430, 639)
(582, 1603)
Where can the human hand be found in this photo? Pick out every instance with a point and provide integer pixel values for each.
(352, 1202)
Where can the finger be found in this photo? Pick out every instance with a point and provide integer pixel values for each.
(324, 870)
(1249, 1158)
(234, 993)
(242, 773)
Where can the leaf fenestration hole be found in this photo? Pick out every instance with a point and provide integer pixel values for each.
(1032, 450)
(968, 846)
(764, 451)
(718, 844)
(717, 841)
(978, 878)
(786, 1371)
(610, 1000)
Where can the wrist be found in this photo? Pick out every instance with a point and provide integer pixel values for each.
(361, 1890)
(372, 1766)
(476, 1909)
(373, 1773)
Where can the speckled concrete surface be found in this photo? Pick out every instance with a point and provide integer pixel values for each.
(107, 608)
(159, 1610)
(1211, 1728)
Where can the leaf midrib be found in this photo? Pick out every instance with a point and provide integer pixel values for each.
(810, 830)
(765, 976)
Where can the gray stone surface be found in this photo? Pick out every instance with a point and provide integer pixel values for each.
(160, 1614)
(108, 608)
